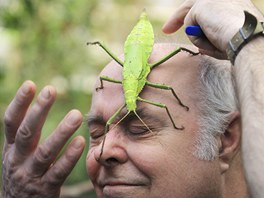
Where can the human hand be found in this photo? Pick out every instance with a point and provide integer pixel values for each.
(220, 21)
(30, 168)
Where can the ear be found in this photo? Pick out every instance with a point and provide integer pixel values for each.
(230, 142)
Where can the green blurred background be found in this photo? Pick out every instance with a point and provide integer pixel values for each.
(45, 41)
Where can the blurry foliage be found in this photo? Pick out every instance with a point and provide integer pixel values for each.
(45, 41)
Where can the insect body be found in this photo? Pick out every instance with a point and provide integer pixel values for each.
(138, 47)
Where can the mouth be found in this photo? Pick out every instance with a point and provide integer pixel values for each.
(120, 189)
(126, 182)
(116, 187)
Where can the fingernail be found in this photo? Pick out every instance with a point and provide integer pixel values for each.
(73, 118)
(25, 88)
(77, 143)
(45, 93)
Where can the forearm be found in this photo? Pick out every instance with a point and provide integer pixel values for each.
(249, 71)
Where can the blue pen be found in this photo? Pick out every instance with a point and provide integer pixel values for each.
(194, 30)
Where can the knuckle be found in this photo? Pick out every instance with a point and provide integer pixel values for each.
(64, 129)
(24, 132)
(37, 110)
(57, 177)
(70, 156)
(8, 120)
(43, 154)
(19, 175)
(59, 173)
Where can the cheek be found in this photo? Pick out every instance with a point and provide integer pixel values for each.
(158, 161)
(173, 169)
(162, 151)
(164, 171)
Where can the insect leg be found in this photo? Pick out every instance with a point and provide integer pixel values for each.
(171, 54)
(107, 51)
(166, 87)
(106, 78)
(108, 123)
(161, 106)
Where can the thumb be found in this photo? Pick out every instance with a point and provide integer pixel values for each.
(176, 21)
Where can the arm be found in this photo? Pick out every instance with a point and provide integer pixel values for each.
(249, 70)
(30, 169)
(220, 20)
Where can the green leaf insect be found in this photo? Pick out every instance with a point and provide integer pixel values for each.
(138, 47)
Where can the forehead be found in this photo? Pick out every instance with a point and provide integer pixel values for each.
(181, 68)
(179, 72)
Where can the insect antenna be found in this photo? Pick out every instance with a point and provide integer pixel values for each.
(142, 121)
(137, 117)
(121, 119)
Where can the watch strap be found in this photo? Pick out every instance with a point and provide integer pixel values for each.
(250, 30)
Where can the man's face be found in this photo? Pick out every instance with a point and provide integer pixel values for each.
(137, 162)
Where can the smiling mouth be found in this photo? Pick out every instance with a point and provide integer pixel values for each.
(119, 190)
(122, 184)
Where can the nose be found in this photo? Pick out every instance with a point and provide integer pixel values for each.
(112, 150)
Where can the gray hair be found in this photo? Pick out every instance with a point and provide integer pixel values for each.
(217, 100)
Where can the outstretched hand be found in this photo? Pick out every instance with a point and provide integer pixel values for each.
(219, 20)
(29, 168)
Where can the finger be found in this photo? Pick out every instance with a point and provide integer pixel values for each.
(214, 53)
(29, 131)
(46, 153)
(17, 109)
(177, 19)
(206, 47)
(202, 43)
(56, 175)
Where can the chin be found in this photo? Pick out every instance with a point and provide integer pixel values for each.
(122, 191)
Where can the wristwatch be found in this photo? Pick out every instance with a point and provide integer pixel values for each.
(251, 29)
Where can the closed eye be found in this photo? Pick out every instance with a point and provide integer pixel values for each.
(96, 131)
(96, 126)
(140, 123)
(138, 130)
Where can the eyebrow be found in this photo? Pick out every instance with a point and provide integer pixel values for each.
(94, 119)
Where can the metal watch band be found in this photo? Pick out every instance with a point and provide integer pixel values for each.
(250, 30)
